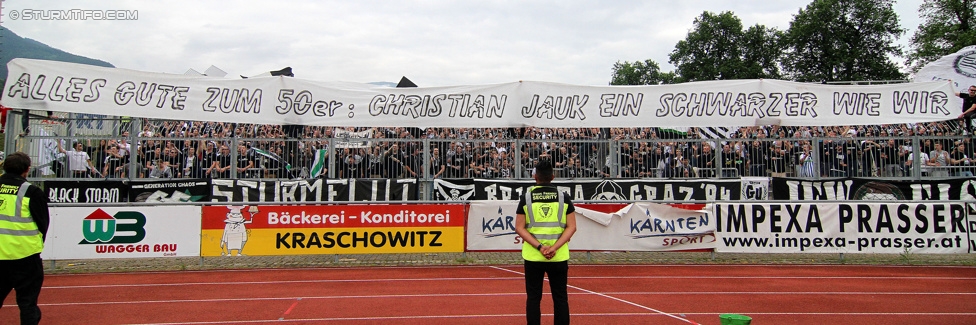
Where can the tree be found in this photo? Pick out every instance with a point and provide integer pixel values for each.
(761, 53)
(711, 49)
(843, 40)
(947, 27)
(718, 48)
(640, 73)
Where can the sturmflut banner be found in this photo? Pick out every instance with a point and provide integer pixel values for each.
(641, 226)
(314, 190)
(883, 228)
(75, 88)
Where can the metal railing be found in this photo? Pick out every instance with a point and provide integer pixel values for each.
(121, 148)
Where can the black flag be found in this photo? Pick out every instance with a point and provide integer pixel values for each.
(283, 72)
(406, 83)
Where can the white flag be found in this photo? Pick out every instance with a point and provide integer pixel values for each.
(960, 67)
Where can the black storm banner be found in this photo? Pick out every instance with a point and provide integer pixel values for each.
(86, 191)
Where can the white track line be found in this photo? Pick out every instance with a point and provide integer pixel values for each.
(777, 277)
(265, 269)
(499, 294)
(390, 318)
(792, 293)
(845, 314)
(645, 266)
(506, 279)
(245, 299)
(337, 319)
(459, 317)
(274, 282)
(610, 297)
(803, 266)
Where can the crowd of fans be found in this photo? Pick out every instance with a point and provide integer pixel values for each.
(180, 149)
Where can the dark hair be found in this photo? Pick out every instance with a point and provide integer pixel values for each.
(544, 169)
(16, 163)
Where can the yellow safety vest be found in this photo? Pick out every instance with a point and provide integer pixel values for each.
(19, 236)
(546, 221)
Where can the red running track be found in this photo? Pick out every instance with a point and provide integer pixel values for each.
(599, 294)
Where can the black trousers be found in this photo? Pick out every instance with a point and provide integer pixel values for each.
(558, 272)
(25, 276)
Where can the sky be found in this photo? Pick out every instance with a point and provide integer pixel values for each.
(432, 42)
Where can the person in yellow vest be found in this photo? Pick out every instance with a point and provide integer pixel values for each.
(24, 220)
(546, 220)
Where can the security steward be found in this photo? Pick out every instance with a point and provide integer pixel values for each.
(24, 220)
(546, 220)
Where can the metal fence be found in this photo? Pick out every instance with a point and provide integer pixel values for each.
(124, 148)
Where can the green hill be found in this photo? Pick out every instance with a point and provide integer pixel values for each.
(14, 46)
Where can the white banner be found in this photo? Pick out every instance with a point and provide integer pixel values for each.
(641, 226)
(46, 150)
(959, 67)
(91, 125)
(123, 232)
(892, 228)
(349, 139)
(68, 87)
(755, 188)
